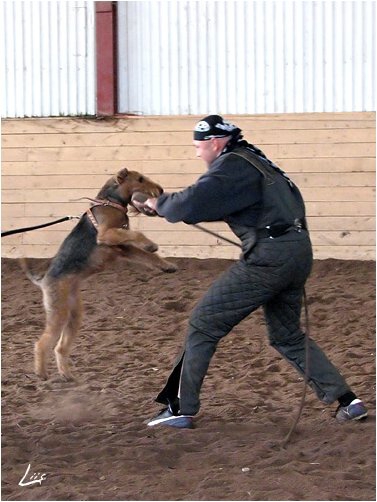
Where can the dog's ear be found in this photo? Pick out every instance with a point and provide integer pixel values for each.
(122, 175)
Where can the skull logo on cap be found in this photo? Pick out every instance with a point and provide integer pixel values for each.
(202, 126)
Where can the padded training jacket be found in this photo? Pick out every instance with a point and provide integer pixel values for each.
(241, 188)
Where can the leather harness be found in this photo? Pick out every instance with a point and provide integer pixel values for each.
(103, 202)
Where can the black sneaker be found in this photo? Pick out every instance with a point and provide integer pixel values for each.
(354, 411)
(166, 417)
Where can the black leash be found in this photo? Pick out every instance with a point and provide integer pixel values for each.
(307, 334)
(35, 227)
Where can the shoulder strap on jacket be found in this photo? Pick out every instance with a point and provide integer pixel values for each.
(258, 165)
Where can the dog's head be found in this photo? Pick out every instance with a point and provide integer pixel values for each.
(125, 183)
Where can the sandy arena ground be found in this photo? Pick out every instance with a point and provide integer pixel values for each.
(89, 439)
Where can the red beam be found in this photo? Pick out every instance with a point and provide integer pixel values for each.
(106, 56)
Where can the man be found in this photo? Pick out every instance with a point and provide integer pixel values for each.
(266, 211)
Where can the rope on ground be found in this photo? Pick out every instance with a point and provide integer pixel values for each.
(306, 374)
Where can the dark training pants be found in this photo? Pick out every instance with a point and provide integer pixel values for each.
(272, 276)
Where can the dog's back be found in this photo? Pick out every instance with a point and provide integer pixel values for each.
(72, 257)
(75, 251)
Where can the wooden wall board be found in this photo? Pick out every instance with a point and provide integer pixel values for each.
(131, 123)
(189, 166)
(147, 152)
(311, 194)
(48, 164)
(93, 182)
(157, 138)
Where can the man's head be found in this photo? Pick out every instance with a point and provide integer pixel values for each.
(211, 135)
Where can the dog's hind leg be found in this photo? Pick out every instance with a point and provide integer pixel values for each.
(69, 333)
(56, 318)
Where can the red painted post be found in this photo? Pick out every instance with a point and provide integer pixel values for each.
(106, 57)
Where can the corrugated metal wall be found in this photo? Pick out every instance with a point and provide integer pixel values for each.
(48, 58)
(192, 57)
(235, 57)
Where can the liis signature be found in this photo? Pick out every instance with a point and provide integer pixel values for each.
(33, 479)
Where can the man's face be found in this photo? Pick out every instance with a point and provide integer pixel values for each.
(207, 150)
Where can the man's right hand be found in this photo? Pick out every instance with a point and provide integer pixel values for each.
(143, 204)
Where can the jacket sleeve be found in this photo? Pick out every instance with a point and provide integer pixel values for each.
(220, 192)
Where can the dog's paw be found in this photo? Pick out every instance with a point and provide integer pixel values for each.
(169, 267)
(66, 375)
(151, 248)
(68, 378)
(43, 375)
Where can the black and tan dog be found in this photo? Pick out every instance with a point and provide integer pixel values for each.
(101, 235)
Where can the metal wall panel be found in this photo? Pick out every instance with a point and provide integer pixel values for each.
(48, 63)
(197, 57)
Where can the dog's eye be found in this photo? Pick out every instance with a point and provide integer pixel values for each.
(141, 179)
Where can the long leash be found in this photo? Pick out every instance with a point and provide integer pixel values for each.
(35, 227)
(307, 335)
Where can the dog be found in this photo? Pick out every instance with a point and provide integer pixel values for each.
(101, 235)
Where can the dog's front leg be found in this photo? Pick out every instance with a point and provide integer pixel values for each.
(137, 255)
(119, 236)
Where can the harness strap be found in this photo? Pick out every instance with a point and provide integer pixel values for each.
(105, 202)
(91, 217)
(102, 202)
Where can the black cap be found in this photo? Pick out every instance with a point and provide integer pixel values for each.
(214, 126)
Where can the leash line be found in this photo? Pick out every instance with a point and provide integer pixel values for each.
(65, 218)
(35, 227)
(203, 229)
(306, 373)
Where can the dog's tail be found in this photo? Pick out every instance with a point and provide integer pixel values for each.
(36, 279)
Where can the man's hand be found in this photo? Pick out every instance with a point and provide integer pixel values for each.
(143, 204)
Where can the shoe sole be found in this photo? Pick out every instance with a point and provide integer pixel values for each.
(360, 417)
(159, 421)
(349, 419)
